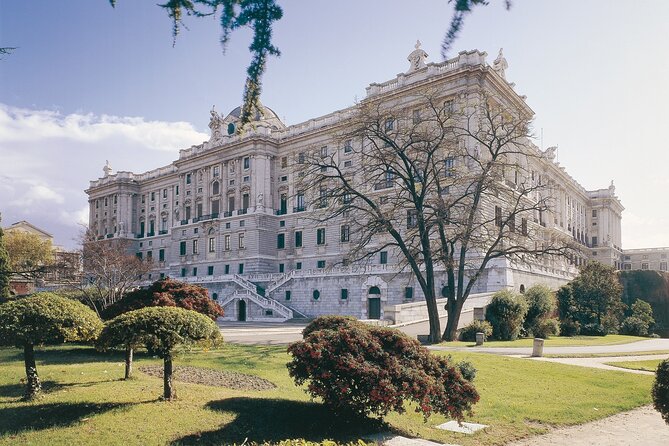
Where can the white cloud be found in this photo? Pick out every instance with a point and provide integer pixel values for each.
(47, 160)
(23, 125)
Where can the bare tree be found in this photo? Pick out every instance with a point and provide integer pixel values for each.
(110, 269)
(446, 187)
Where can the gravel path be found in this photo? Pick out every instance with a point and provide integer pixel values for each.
(210, 377)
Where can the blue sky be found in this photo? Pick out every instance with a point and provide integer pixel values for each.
(90, 83)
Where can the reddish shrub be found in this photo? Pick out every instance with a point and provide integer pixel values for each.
(167, 293)
(362, 370)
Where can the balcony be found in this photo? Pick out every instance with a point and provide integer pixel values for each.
(281, 211)
(150, 234)
(383, 185)
(139, 236)
(299, 208)
(163, 232)
(227, 213)
(241, 211)
(184, 222)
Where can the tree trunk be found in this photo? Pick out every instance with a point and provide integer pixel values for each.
(128, 362)
(33, 385)
(454, 309)
(169, 393)
(433, 315)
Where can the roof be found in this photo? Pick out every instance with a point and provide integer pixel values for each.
(28, 227)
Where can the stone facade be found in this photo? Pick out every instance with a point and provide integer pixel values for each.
(229, 213)
(655, 259)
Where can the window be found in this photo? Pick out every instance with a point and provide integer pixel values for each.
(663, 266)
(412, 218)
(415, 116)
(320, 236)
(182, 248)
(143, 199)
(322, 197)
(282, 223)
(299, 201)
(188, 178)
(231, 128)
(226, 268)
(164, 194)
(498, 216)
(287, 295)
(195, 271)
(348, 163)
(284, 178)
(324, 151)
(183, 272)
(345, 231)
(408, 292)
(245, 201)
(348, 146)
(162, 275)
(512, 222)
(210, 270)
(139, 255)
(149, 255)
(344, 294)
(523, 226)
(212, 244)
(281, 267)
(153, 196)
(240, 268)
(390, 124)
(284, 162)
(247, 162)
(298, 239)
(594, 213)
(300, 158)
(226, 242)
(594, 241)
(161, 255)
(216, 188)
(320, 264)
(242, 223)
(241, 241)
(217, 171)
(383, 257)
(316, 294)
(448, 106)
(194, 246)
(246, 179)
(231, 204)
(298, 265)
(280, 241)
(644, 266)
(176, 190)
(449, 164)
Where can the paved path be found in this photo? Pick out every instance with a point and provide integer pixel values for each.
(599, 363)
(640, 346)
(643, 426)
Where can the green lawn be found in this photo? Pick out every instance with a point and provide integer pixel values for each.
(86, 403)
(575, 341)
(649, 365)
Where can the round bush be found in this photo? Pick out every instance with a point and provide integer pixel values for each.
(361, 370)
(634, 326)
(569, 327)
(594, 329)
(660, 390)
(506, 312)
(546, 328)
(541, 305)
(468, 333)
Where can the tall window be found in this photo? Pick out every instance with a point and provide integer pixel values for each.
(300, 158)
(298, 239)
(512, 222)
(383, 257)
(408, 293)
(594, 241)
(217, 171)
(498, 216)
(412, 218)
(320, 236)
(216, 188)
(182, 248)
(284, 162)
(245, 201)
(212, 244)
(210, 270)
(523, 226)
(323, 197)
(348, 146)
(344, 294)
(449, 164)
(300, 202)
(226, 242)
(390, 124)
(164, 193)
(345, 233)
(161, 255)
(280, 241)
(188, 178)
(153, 196)
(176, 190)
(194, 246)
(284, 204)
(324, 151)
(241, 241)
(226, 268)
(240, 268)
(231, 203)
(247, 162)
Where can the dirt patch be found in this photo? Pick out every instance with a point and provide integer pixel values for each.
(210, 377)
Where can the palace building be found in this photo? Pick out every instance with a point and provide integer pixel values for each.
(230, 214)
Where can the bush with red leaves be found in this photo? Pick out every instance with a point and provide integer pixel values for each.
(359, 369)
(167, 293)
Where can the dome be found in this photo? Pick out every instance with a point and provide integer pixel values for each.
(268, 117)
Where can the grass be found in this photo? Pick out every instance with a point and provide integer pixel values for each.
(607, 355)
(649, 365)
(87, 403)
(560, 341)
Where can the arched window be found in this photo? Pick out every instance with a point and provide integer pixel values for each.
(214, 296)
(316, 294)
(522, 289)
(216, 188)
(374, 290)
(231, 128)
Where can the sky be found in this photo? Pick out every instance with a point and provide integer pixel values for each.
(90, 83)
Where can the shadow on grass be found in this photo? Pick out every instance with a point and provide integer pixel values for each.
(73, 354)
(17, 390)
(14, 420)
(273, 420)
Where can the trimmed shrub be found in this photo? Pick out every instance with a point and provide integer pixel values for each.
(541, 305)
(167, 293)
(161, 330)
(364, 370)
(594, 329)
(660, 390)
(44, 319)
(640, 320)
(569, 327)
(506, 312)
(329, 323)
(546, 328)
(468, 333)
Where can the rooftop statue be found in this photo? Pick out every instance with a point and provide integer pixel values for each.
(500, 64)
(417, 58)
